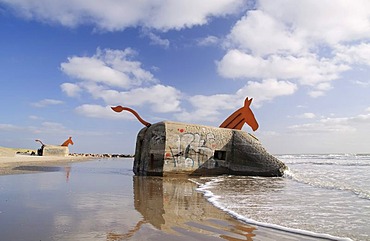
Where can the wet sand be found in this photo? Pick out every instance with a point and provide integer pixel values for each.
(17, 164)
(102, 200)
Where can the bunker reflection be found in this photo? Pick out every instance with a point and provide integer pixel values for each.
(173, 206)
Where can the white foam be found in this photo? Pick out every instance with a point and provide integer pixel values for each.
(327, 185)
(212, 198)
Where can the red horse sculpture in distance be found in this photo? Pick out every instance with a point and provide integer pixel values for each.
(234, 121)
(243, 115)
(66, 143)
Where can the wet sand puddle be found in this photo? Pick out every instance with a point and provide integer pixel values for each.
(102, 200)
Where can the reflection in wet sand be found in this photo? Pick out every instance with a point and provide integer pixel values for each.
(173, 206)
(66, 169)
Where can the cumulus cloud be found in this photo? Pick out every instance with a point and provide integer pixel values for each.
(71, 90)
(284, 40)
(321, 127)
(356, 54)
(308, 70)
(260, 34)
(114, 15)
(208, 41)
(210, 107)
(267, 90)
(161, 98)
(157, 40)
(116, 78)
(109, 67)
(331, 23)
(307, 115)
(98, 111)
(46, 102)
(333, 125)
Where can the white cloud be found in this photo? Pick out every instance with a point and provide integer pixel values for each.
(333, 125)
(284, 40)
(72, 90)
(267, 90)
(49, 127)
(98, 111)
(165, 14)
(308, 70)
(357, 54)
(209, 41)
(307, 115)
(47, 102)
(34, 117)
(110, 67)
(260, 34)
(323, 21)
(9, 127)
(111, 15)
(362, 83)
(107, 72)
(316, 93)
(52, 126)
(320, 127)
(160, 98)
(208, 108)
(157, 40)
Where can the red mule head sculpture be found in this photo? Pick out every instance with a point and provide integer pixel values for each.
(243, 115)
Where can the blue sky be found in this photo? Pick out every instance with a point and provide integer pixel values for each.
(305, 63)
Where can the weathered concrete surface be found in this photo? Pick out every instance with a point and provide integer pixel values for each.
(51, 150)
(168, 148)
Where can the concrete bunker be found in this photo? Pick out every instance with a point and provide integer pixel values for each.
(172, 148)
(54, 150)
(168, 148)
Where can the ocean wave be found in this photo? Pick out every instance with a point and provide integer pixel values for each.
(214, 199)
(326, 185)
(360, 160)
(360, 164)
(347, 156)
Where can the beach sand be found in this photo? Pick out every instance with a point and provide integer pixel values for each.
(168, 209)
(19, 163)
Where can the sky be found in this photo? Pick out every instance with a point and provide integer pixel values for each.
(305, 63)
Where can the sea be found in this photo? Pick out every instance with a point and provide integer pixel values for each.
(322, 195)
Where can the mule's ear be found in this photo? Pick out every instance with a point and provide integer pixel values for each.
(248, 101)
